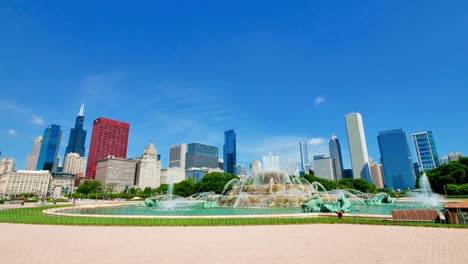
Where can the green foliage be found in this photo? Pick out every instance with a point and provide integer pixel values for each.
(90, 186)
(328, 184)
(34, 215)
(452, 173)
(185, 188)
(214, 182)
(357, 184)
(110, 187)
(454, 189)
(162, 189)
(148, 190)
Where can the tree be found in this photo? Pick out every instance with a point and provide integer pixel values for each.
(90, 186)
(185, 188)
(214, 182)
(162, 189)
(453, 173)
(148, 190)
(357, 184)
(328, 184)
(110, 187)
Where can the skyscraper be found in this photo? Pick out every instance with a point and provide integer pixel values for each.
(336, 157)
(109, 138)
(74, 164)
(31, 162)
(229, 151)
(376, 174)
(357, 147)
(323, 167)
(177, 155)
(149, 168)
(305, 165)
(396, 160)
(49, 149)
(201, 156)
(76, 141)
(426, 150)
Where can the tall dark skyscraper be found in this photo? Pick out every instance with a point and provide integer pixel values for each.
(201, 156)
(76, 141)
(229, 151)
(337, 159)
(109, 138)
(49, 149)
(396, 160)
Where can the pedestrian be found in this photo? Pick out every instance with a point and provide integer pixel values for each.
(23, 201)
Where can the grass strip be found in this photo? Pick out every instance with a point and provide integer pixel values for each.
(34, 215)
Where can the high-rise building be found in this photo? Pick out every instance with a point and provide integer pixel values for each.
(396, 160)
(229, 151)
(13, 183)
(7, 165)
(31, 162)
(323, 167)
(347, 174)
(305, 165)
(149, 168)
(116, 171)
(357, 147)
(426, 150)
(444, 160)
(109, 138)
(177, 155)
(49, 149)
(376, 174)
(77, 139)
(201, 156)
(336, 157)
(454, 156)
(241, 170)
(172, 175)
(74, 164)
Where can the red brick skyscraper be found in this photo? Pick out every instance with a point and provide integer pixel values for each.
(109, 137)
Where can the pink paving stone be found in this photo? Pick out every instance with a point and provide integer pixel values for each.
(315, 243)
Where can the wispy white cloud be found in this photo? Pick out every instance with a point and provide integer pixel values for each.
(11, 132)
(319, 100)
(316, 141)
(37, 120)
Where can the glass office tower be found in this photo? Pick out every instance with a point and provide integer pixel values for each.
(336, 157)
(201, 156)
(426, 150)
(305, 165)
(396, 160)
(49, 149)
(229, 152)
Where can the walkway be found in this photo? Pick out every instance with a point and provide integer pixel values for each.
(316, 243)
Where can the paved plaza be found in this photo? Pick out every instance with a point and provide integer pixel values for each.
(315, 243)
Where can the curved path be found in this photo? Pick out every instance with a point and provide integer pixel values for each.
(316, 243)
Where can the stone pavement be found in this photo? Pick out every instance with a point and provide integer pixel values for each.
(315, 243)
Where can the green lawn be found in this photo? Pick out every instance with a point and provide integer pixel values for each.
(34, 215)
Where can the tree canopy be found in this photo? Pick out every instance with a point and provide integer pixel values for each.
(90, 186)
(451, 175)
(185, 188)
(214, 182)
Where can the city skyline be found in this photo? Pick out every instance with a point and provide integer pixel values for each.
(180, 77)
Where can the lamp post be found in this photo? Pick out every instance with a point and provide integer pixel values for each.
(445, 191)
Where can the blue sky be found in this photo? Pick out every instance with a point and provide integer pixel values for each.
(276, 72)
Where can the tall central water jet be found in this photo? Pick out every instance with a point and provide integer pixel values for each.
(425, 194)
